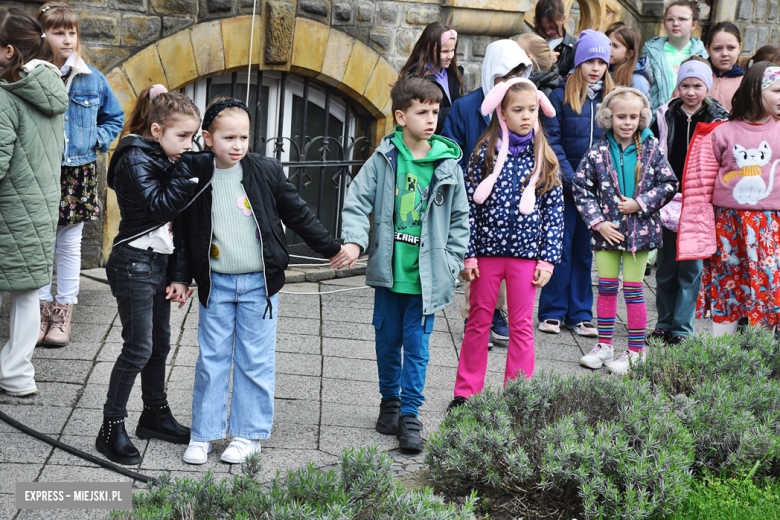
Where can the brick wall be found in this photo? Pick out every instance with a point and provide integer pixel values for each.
(758, 22)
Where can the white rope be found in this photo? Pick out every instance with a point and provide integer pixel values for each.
(251, 44)
(327, 292)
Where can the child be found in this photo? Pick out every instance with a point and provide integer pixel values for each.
(628, 69)
(520, 186)
(152, 176)
(550, 22)
(666, 53)
(504, 59)
(93, 120)
(623, 216)
(544, 75)
(434, 57)
(768, 53)
(724, 44)
(568, 298)
(678, 283)
(414, 261)
(236, 251)
(32, 104)
(731, 211)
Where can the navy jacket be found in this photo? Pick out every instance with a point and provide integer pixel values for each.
(497, 226)
(570, 134)
(465, 124)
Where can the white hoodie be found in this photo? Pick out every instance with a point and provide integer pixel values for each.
(500, 58)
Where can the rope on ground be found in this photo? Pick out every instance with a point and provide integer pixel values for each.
(327, 292)
(73, 451)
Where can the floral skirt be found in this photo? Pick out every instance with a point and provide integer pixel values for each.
(79, 195)
(742, 278)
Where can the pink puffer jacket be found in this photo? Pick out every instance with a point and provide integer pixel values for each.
(696, 234)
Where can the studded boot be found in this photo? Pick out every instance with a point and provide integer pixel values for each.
(114, 443)
(157, 422)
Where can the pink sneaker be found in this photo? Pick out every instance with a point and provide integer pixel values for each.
(585, 328)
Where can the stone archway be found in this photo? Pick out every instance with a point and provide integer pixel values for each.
(210, 48)
(594, 14)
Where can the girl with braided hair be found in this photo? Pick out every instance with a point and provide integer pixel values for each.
(620, 186)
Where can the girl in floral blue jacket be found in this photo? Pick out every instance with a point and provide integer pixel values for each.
(620, 186)
(516, 222)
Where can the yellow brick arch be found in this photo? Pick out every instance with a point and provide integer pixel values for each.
(221, 46)
(594, 14)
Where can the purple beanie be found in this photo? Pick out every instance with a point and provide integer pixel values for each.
(592, 44)
(695, 69)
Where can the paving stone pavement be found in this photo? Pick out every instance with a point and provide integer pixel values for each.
(326, 388)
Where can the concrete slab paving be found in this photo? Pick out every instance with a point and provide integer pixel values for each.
(327, 396)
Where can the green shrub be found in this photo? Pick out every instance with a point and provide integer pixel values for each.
(594, 446)
(364, 490)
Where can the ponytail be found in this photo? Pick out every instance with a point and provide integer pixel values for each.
(164, 108)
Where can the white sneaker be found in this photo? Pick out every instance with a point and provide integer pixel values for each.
(601, 355)
(197, 452)
(550, 326)
(585, 328)
(623, 364)
(240, 449)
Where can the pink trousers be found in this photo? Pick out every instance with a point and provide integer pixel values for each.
(520, 297)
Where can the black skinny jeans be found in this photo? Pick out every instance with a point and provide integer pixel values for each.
(138, 280)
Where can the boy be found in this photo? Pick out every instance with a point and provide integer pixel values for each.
(414, 187)
(666, 53)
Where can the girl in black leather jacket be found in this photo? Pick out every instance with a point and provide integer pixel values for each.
(151, 174)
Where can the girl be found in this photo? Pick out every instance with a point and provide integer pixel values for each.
(619, 187)
(568, 298)
(523, 254)
(92, 121)
(435, 57)
(151, 174)
(678, 283)
(768, 53)
(32, 103)
(666, 53)
(550, 23)
(724, 44)
(731, 208)
(236, 250)
(544, 74)
(628, 69)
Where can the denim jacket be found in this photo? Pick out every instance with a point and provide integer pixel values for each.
(445, 224)
(93, 118)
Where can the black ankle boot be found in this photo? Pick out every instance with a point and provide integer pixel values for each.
(157, 422)
(113, 442)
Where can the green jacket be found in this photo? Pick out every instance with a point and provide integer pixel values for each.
(661, 88)
(32, 134)
(445, 224)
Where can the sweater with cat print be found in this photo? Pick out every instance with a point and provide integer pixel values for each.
(749, 159)
(497, 226)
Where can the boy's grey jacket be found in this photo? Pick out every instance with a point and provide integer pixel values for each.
(445, 225)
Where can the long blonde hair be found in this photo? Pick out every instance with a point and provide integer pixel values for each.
(543, 152)
(538, 50)
(576, 89)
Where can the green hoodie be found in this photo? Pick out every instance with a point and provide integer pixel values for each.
(412, 189)
(625, 162)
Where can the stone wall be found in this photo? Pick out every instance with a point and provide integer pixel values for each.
(758, 22)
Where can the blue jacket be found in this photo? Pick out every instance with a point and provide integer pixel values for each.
(94, 117)
(445, 224)
(497, 226)
(465, 124)
(661, 89)
(570, 134)
(643, 76)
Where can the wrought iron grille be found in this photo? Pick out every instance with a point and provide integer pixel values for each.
(320, 152)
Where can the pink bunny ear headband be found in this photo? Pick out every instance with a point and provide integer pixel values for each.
(493, 102)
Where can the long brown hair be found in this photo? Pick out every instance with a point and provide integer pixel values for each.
(629, 37)
(22, 32)
(548, 173)
(747, 104)
(768, 53)
(162, 110)
(576, 89)
(428, 50)
(59, 15)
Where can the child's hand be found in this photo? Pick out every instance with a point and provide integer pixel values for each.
(628, 206)
(470, 275)
(346, 257)
(178, 292)
(610, 233)
(541, 277)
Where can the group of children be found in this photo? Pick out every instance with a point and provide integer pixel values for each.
(508, 199)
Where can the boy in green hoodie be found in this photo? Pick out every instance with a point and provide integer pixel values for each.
(414, 187)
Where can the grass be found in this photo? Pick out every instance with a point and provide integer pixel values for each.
(730, 499)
